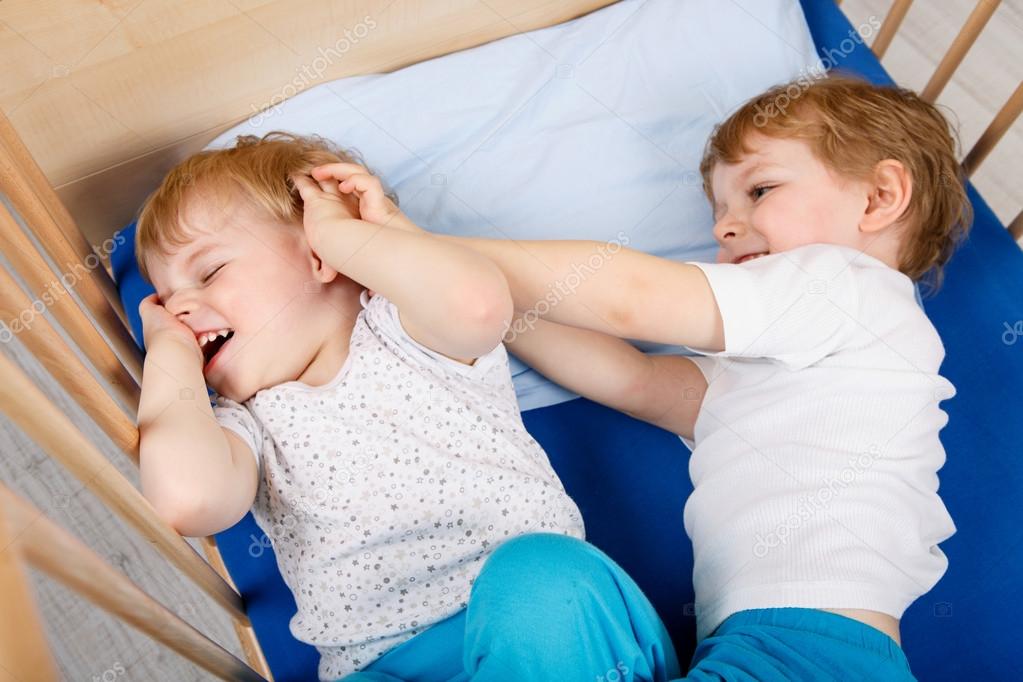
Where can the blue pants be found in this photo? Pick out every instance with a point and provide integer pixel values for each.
(544, 607)
(550, 607)
(781, 645)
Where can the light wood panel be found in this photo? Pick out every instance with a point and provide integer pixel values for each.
(108, 95)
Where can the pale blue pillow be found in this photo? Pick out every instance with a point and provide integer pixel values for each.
(592, 129)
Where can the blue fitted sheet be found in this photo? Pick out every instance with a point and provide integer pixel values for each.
(631, 481)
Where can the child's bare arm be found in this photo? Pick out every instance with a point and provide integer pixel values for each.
(198, 476)
(629, 294)
(665, 390)
(451, 298)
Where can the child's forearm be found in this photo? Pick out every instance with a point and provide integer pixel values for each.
(600, 367)
(455, 293)
(184, 454)
(665, 390)
(608, 288)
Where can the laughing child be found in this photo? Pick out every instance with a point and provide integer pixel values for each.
(364, 412)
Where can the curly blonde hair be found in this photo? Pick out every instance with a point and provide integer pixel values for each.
(259, 168)
(851, 126)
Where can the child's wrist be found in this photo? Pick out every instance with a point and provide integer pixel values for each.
(165, 342)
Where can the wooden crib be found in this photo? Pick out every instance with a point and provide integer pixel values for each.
(104, 166)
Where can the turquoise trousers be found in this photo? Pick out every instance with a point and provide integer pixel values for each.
(550, 607)
(544, 607)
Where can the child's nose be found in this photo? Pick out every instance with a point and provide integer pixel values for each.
(182, 303)
(727, 228)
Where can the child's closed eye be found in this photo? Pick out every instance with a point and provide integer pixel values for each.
(210, 274)
(758, 191)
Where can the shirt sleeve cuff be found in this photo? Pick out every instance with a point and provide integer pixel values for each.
(736, 297)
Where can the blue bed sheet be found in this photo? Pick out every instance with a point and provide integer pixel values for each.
(631, 480)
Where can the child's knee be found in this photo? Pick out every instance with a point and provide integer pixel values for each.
(543, 554)
(544, 570)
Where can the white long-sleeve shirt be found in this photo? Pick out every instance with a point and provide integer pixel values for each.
(816, 446)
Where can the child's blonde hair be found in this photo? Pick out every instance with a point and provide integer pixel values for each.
(851, 125)
(259, 168)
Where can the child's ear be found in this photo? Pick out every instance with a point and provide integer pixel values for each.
(890, 192)
(323, 273)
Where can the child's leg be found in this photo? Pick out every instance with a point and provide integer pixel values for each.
(551, 607)
(544, 607)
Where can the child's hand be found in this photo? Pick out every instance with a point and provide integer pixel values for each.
(374, 205)
(157, 322)
(323, 207)
(336, 192)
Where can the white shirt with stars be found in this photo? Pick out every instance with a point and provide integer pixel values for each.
(383, 491)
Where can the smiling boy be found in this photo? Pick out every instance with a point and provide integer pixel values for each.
(813, 412)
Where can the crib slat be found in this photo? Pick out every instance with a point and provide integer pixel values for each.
(890, 27)
(43, 340)
(960, 46)
(62, 556)
(50, 349)
(1016, 227)
(1005, 117)
(246, 634)
(24, 653)
(33, 269)
(44, 214)
(33, 195)
(32, 411)
(31, 192)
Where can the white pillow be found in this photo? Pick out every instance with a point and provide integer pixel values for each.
(591, 129)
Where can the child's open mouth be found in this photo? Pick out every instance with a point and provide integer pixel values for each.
(750, 256)
(211, 343)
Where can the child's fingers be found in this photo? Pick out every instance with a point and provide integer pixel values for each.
(305, 186)
(149, 301)
(362, 184)
(338, 171)
(329, 186)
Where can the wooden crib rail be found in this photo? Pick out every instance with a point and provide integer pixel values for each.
(964, 40)
(48, 220)
(42, 339)
(29, 264)
(999, 125)
(33, 412)
(975, 23)
(28, 535)
(39, 418)
(890, 26)
(24, 654)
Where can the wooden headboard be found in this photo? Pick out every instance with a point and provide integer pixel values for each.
(109, 94)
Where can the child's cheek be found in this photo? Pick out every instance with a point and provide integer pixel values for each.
(775, 224)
